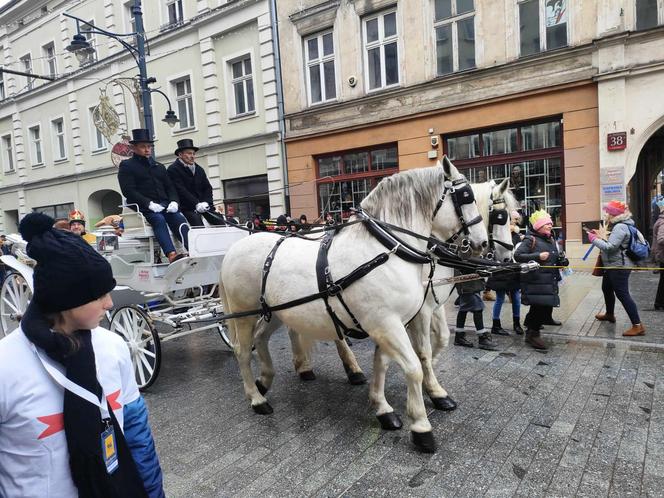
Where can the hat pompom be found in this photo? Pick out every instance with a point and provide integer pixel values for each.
(35, 224)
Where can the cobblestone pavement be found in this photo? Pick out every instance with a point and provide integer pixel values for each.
(586, 419)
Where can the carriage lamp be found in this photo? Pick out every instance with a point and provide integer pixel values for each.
(170, 119)
(81, 48)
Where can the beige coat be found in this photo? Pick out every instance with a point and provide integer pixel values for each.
(657, 245)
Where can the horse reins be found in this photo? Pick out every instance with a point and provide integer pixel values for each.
(497, 217)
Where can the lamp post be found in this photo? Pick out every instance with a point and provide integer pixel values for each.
(82, 49)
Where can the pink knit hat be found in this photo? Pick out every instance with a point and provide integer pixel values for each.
(615, 208)
(540, 218)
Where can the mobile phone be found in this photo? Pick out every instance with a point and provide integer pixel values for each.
(585, 229)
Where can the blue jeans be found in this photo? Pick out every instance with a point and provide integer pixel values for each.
(161, 222)
(615, 283)
(500, 299)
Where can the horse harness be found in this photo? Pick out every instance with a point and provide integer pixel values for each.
(497, 217)
(460, 196)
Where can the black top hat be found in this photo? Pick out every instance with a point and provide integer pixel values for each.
(185, 143)
(140, 135)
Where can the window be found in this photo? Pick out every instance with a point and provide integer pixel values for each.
(245, 196)
(530, 155)
(85, 31)
(50, 67)
(646, 14)
(97, 138)
(174, 9)
(7, 154)
(34, 133)
(455, 35)
(57, 211)
(26, 64)
(59, 146)
(346, 178)
(539, 33)
(129, 15)
(382, 53)
(243, 86)
(319, 56)
(185, 103)
(2, 87)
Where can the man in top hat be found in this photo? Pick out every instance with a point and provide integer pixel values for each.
(145, 183)
(77, 226)
(192, 185)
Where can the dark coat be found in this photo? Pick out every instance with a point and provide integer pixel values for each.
(539, 287)
(143, 180)
(192, 189)
(469, 286)
(506, 281)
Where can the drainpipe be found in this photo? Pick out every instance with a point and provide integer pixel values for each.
(280, 99)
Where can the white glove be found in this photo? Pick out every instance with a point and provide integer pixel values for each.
(155, 208)
(172, 207)
(201, 207)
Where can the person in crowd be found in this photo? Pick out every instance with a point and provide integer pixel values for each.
(539, 289)
(613, 239)
(112, 220)
(282, 223)
(304, 224)
(192, 185)
(471, 302)
(508, 284)
(145, 183)
(658, 253)
(76, 220)
(329, 219)
(4, 246)
(72, 421)
(256, 223)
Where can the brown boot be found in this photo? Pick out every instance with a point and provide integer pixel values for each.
(637, 329)
(605, 317)
(534, 339)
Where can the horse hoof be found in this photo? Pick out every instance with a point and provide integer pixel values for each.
(261, 388)
(446, 404)
(307, 375)
(424, 441)
(263, 408)
(390, 421)
(357, 378)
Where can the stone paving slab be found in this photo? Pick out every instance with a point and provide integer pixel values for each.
(584, 419)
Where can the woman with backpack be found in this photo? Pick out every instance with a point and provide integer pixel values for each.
(614, 244)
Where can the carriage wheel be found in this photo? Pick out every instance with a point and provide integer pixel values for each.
(137, 330)
(15, 296)
(223, 333)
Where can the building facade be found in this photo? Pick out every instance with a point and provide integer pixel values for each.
(525, 89)
(215, 61)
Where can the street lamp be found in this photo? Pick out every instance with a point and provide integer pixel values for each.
(82, 49)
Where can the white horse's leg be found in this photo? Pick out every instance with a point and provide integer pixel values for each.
(262, 333)
(394, 342)
(384, 412)
(244, 338)
(302, 348)
(440, 333)
(419, 331)
(353, 371)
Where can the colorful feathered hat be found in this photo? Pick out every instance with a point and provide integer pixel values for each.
(76, 215)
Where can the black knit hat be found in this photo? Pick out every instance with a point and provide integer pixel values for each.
(69, 273)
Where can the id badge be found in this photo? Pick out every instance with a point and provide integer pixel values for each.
(109, 450)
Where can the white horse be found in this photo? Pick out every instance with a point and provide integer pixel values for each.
(492, 201)
(420, 200)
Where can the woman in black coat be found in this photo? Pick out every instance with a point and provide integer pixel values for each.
(539, 289)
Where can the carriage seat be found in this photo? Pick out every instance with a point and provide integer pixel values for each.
(135, 224)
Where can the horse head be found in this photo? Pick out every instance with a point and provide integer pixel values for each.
(500, 233)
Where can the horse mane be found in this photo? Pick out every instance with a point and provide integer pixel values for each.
(406, 198)
(482, 192)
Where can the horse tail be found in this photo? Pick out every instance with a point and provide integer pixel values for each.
(230, 324)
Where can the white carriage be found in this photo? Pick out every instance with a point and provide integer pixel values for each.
(153, 302)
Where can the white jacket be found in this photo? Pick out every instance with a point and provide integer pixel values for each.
(34, 460)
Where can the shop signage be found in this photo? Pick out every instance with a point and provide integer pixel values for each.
(616, 141)
(611, 175)
(613, 192)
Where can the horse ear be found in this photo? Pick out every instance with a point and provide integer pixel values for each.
(449, 169)
(504, 185)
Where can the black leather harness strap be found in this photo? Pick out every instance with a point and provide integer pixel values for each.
(266, 312)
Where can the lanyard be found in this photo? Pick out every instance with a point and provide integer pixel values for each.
(79, 391)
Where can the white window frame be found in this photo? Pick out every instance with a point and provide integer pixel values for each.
(3, 88)
(381, 42)
(230, 92)
(8, 153)
(173, 81)
(660, 14)
(542, 26)
(454, 19)
(92, 40)
(47, 61)
(30, 82)
(94, 143)
(320, 62)
(129, 18)
(55, 139)
(36, 145)
(167, 16)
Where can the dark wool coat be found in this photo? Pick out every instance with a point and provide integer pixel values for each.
(192, 189)
(143, 179)
(541, 286)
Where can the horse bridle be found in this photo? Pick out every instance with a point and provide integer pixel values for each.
(461, 193)
(497, 217)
